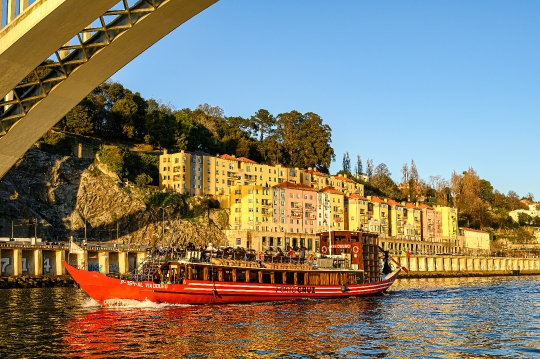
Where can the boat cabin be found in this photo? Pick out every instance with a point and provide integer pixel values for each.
(360, 249)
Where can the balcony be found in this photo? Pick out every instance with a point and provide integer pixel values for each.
(296, 215)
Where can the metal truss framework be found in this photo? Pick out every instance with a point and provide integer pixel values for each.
(67, 59)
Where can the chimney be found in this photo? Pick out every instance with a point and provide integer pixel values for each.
(164, 151)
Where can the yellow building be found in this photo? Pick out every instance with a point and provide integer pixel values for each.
(314, 179)
(475, 242)
(449, 219)
(330, 210)
(413, 227)
(182, 172)
(265, 175)
(398, 219)
(356, 209)
(346, 185)
(250, 208)
(378, 216)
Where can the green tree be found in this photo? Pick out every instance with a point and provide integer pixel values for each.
(161, 129)
(80, 119)
(524, 219)
(486, 191)
(115, 159)
(264, 123)
(305, 140)
(143, 179)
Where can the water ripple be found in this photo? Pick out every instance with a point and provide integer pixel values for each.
(420, 318)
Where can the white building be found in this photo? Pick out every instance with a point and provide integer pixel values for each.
(474, 241)
(532, 211)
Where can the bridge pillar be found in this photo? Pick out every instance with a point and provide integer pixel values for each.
(123, 263)
(60, 256)
(140, 258)
(103, 261)
(38, 262)
(17, 262)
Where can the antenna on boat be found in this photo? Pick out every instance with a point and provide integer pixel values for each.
(327, 198)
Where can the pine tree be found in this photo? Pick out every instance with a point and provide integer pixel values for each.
(370, 169)
(346, 163)
(359, 168)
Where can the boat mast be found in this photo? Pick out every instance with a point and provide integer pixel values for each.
(327, 198)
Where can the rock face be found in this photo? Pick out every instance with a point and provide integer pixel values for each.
(64, 193)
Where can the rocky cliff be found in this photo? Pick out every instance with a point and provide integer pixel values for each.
(65, 192)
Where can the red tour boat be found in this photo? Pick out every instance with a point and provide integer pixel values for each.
(348, 265)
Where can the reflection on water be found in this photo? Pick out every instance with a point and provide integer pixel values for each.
(436, 318)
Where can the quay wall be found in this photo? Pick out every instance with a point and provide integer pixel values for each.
(45, 260)
(464, 266)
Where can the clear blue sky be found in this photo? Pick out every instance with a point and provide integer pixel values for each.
(450, 84)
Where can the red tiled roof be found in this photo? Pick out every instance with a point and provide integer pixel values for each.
(394, 203)
(291, 185)
(411, 205)
(315, 172)
(232, 158)
(423, 205)
(357, 196)
(331, 190)
(342, 178)
(376, 200)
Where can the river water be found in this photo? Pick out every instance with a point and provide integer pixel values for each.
(497, 317)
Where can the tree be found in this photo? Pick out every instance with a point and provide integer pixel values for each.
(524, 219)
(346, 163)
(467, 196)
(143, 179)
(369, 170)
(305, 140)
(405, 174)
(486, 191)
(80, 119)
(115, 159)
(358, 168)
(264, 123)
(161, 128)
(514, 202)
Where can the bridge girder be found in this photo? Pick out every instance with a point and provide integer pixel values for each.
(55, 102)
(39, 31)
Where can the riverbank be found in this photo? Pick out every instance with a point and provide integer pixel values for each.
(451, 274)
(36, 281)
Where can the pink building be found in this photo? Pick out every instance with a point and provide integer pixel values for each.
(294, 208)
(431, 223)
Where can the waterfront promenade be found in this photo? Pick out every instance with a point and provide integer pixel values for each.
(45, 259)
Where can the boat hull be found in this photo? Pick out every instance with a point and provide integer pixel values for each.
(104, 289)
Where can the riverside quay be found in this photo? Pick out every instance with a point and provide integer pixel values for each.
(35, 258)
(31, 258)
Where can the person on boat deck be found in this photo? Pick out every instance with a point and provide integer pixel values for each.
(290, 253)
(279, 252)
(210, 250)
(302, 253)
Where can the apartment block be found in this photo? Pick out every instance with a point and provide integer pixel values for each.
(250, 208)
(398, 218)
(330, 209)
(378, 216)
(356, 209)
(294, 208)
(449, 220)
(431, 223)
(413, 227)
